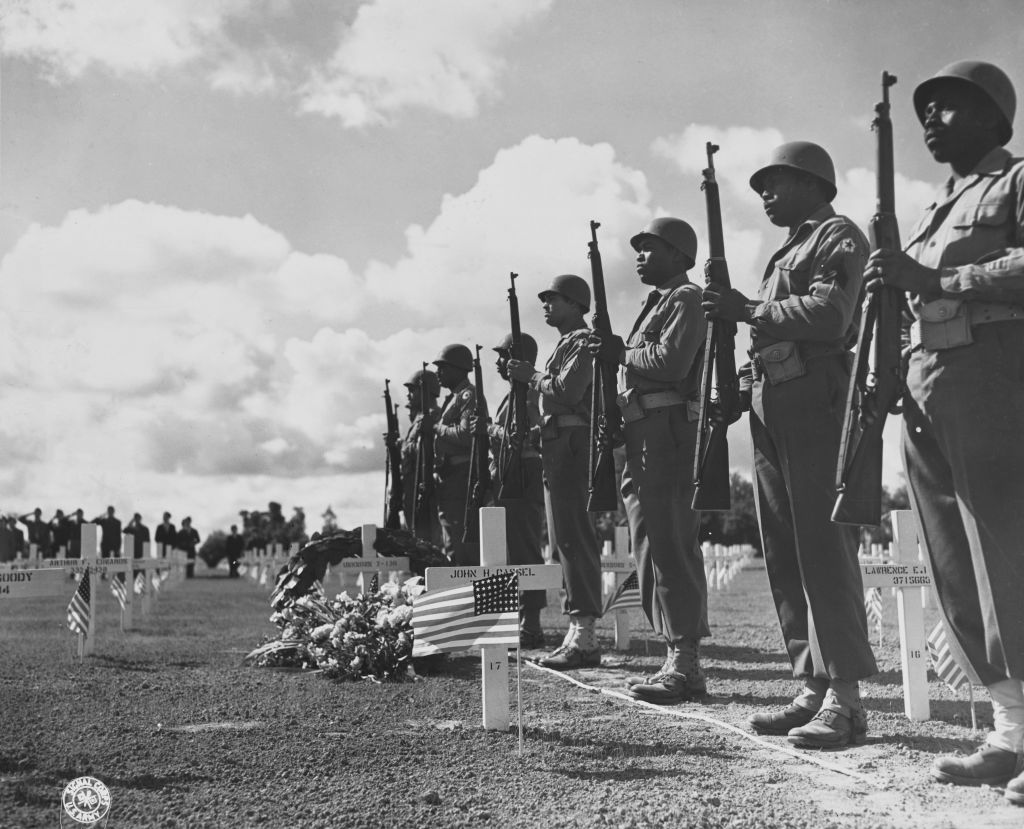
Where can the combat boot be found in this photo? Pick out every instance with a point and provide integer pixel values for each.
(572, 653)
(835, 725)
(988, 766)
(780, 722)
(680, 680)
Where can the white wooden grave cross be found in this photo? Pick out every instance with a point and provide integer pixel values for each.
(493, 561)
(908, 575)
(357, 572)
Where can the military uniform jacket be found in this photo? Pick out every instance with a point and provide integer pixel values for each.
(564, 385)
(454, 433)
(411, 446)
(664, 347)
(496, 430)
(974, 233)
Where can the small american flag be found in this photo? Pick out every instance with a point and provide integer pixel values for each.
(483, 612)
(943, 663)
(119, 590)
(873, 605)
(80, 608)
(374, 587)
(626, 595)
(140, 584)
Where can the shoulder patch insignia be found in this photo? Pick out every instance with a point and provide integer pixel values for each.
(847, 246)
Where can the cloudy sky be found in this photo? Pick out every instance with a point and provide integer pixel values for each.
(224, 222)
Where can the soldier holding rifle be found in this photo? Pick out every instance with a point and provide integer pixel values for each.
(453, 442)
(801, 327)
(658, 385)
(964, 404)
(524, 508)
(564, 388)
(423, 390)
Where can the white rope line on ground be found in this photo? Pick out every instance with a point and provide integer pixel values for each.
(671, 712)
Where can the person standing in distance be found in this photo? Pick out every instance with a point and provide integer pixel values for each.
(524, 516)
(421, 382)
(963, 411)
(564, 389)
(452, 444)
(659, 382)
(802, 325)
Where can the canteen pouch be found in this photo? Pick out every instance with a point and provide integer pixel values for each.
(630, 405)
(944, 324)
(781, 362)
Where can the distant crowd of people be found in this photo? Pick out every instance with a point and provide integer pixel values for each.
(62, 534)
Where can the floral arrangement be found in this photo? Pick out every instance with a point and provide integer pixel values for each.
(365, 636)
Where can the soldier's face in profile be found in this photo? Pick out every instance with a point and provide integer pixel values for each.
(785, 196)
(556, 307)
(656, 261)
(955, 121)
(502, 364)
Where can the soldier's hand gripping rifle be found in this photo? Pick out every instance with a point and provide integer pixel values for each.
(719, 386)
(517, 425)
(876, 383)
(605, 417)
(394, 504)
(480, 469)
(423, 492)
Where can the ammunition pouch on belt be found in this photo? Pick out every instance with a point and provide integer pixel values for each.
(947, 323)
(786, 360)
(635, 406)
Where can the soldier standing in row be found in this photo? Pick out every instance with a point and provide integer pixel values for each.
(453, 442)
(422, 385)
(524, 517)
(188, 541)
(564, 388)
(964, 406)
(802, 324)
(166, 535)
(659, 384)
(110, 533)
(38, 531)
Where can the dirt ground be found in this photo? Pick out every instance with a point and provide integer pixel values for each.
(183, 735)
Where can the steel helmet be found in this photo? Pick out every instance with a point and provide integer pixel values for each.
(803, 156)
(456, 355)
(529, 345)
(674, 231)
(431, 385)
(570, 286)
(986, 77)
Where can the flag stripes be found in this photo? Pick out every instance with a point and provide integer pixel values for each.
(80, 608)
(873, 605)
(117, 587)
(483, 612)
(943, 663)
(626, 595)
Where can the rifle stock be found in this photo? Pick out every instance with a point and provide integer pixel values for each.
(719, 383)
(516, 425)
(479, 471)
(605, 417)
(876, 382)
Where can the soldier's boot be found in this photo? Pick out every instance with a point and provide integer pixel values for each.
(667, 667)
(988, 766)
(798, 713)
(683, 680)
(579, 649)
(835, 725)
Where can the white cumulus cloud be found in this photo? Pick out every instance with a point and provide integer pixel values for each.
(438, 55)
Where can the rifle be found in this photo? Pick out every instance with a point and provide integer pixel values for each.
(423, 491)
(605, 417)
(517, 424)
(711, 458)
(393, 499)
(876, 382)
(479, 467)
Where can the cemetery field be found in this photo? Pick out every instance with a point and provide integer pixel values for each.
(182, 734)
